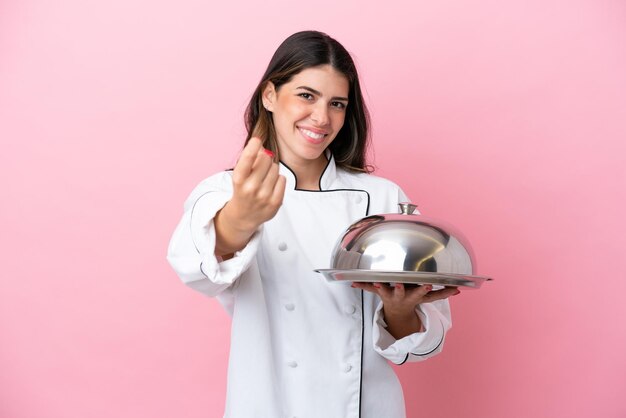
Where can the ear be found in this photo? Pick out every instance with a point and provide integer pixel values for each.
(269, 96)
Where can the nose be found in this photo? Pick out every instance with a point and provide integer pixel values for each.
(320, 114)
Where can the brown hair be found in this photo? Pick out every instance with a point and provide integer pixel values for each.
(305, 50)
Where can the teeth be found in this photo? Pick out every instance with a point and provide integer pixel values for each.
(312, 134)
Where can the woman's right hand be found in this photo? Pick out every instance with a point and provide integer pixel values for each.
(258, 192)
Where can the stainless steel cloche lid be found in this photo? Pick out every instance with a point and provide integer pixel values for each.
(402, 245)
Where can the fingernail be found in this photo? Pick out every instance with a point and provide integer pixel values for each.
(268, 152)
(398, 285)
(428, 287)
(376, 285)
(353, 285)
(456, 293)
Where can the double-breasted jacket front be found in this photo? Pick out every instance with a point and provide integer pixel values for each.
(301, 346)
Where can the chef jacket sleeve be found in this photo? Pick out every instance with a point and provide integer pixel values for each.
(436, 321)
(191, 250)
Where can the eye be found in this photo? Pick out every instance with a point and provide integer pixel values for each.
(338, 105)
(307, 96)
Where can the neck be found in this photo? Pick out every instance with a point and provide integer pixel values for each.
(308, 173)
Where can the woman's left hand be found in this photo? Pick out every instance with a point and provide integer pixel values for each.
(399, 304)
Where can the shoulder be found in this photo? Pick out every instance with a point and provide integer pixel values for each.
(221, 180)
(367, 181)
(384, 194)
(218, 182)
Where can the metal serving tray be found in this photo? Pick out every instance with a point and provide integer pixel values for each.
(407, 277)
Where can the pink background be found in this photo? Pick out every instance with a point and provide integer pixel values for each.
(507, 119)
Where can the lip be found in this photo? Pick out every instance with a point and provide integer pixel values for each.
(310, 128)
(312, 140)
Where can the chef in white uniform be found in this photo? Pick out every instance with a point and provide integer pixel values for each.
(300, 346)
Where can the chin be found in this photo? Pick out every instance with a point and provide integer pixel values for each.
(313, 154)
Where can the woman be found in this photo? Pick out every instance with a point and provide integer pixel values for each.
(251, 237)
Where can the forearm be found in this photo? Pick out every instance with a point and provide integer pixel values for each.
(401, 324)
(230, 234)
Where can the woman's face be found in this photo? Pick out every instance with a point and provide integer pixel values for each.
(308, 113)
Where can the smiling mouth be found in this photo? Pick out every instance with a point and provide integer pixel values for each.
(312, 136)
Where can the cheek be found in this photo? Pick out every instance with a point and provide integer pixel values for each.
(293, 111)
(299, 110)
(338, 120)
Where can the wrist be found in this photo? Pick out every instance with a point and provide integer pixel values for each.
(400, 315)
(401, 323)
(236, 221)
(231, 233)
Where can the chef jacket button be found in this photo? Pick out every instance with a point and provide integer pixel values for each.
(282, 246)
(349, 309)
(290, 306)
(292, 364)
(347, 368)
(358, 199)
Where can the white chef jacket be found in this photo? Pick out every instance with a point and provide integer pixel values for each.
(301, 346)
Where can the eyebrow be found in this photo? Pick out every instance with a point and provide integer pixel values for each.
(345, 99)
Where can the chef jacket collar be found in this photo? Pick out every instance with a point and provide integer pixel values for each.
(326, 180)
